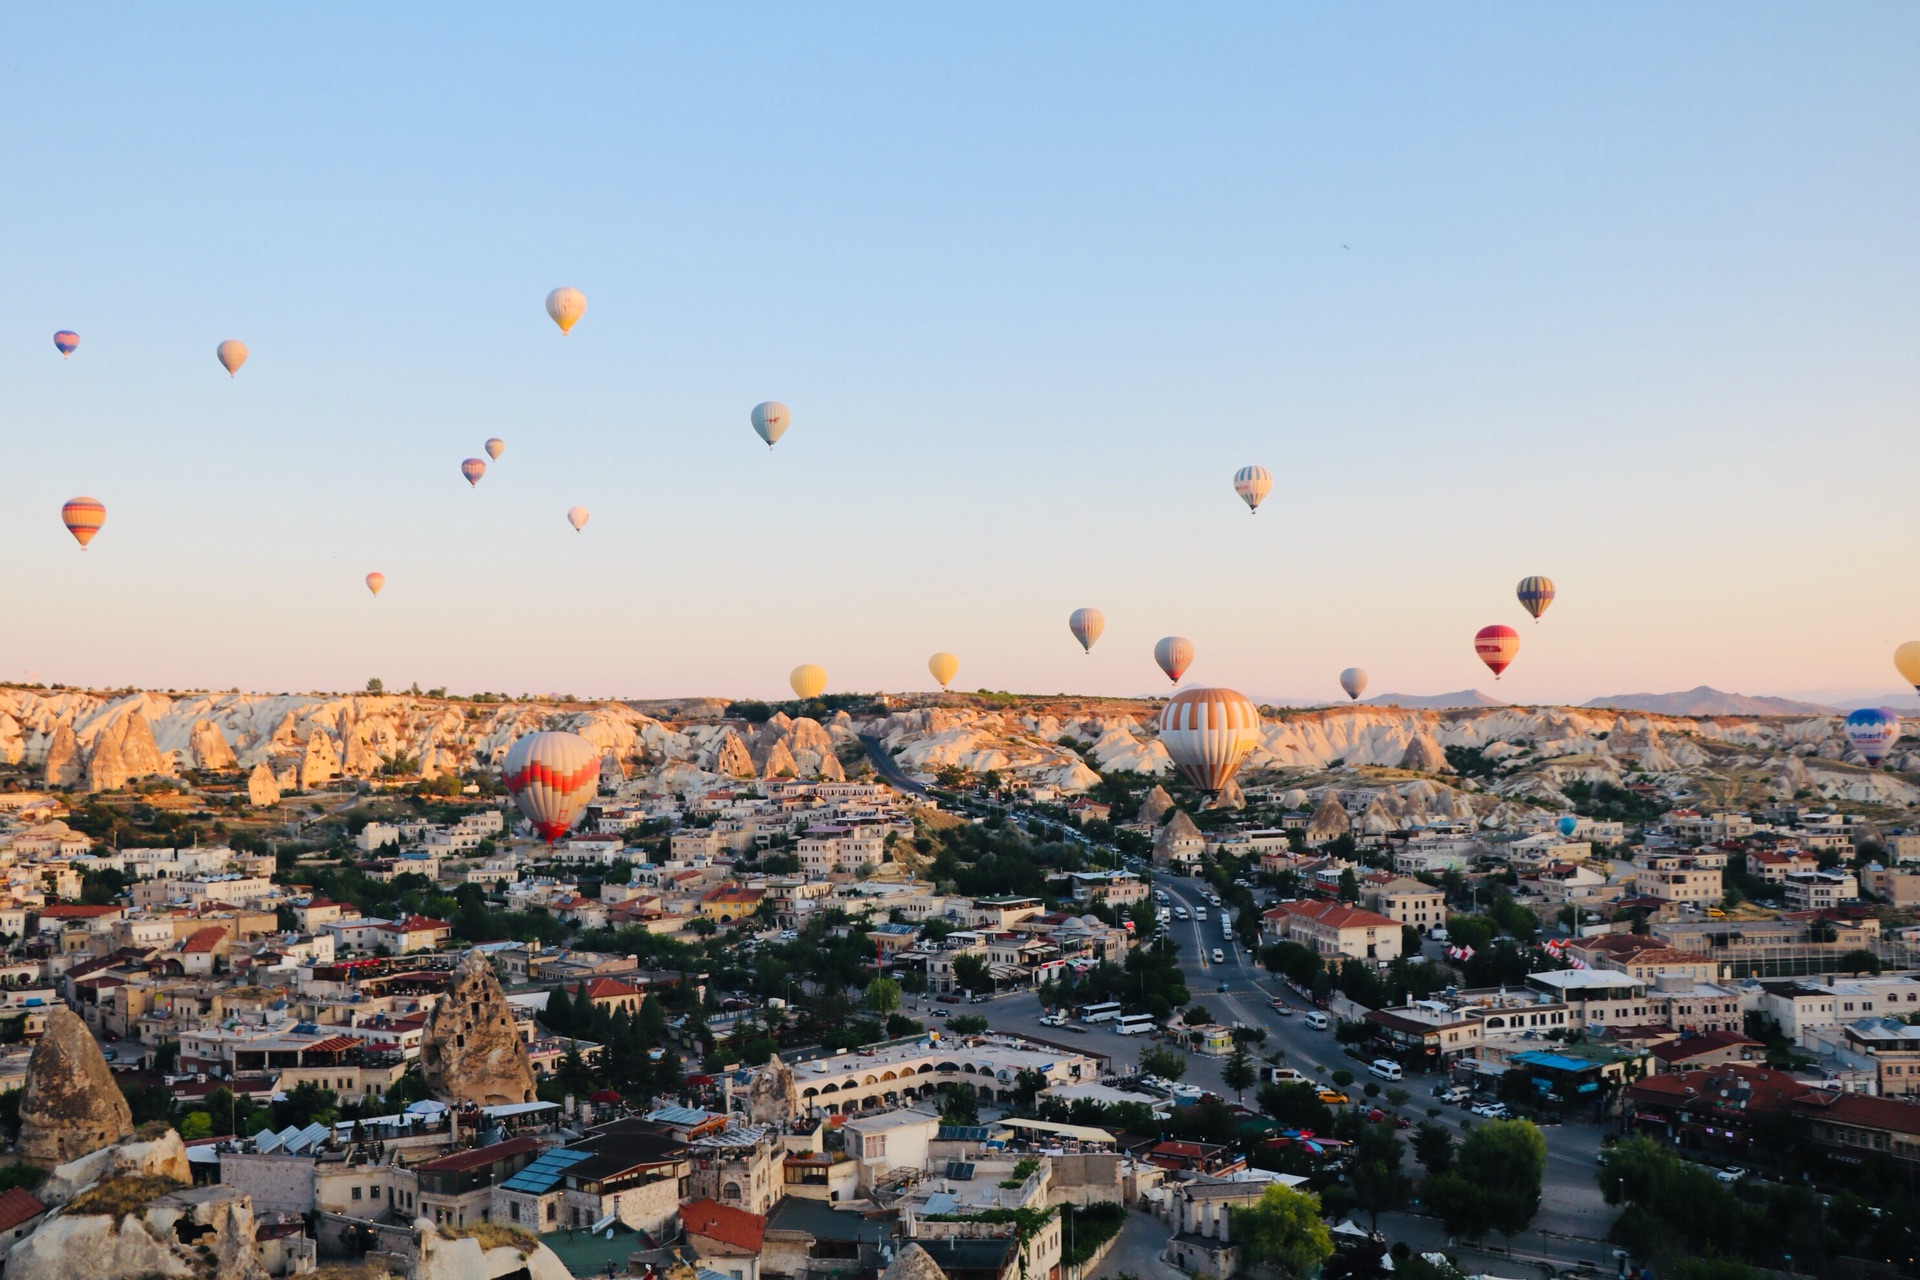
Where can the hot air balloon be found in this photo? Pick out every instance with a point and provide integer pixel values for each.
(66, 340)
(551, 776)
(808, 681)
(1252, 484)
(566, 306)
(1568, 824)
(771, 419)
(83, 518)
(473, 469)
(1175, 655)
(1907, 659)
(496, 447)
(1354, 681)
(1086, 625)
(1873, 732)
(943, 666)
(375, 581)
(1496, 646)
(577, 517)
(232, 354)
(1535, 593)
(1208, 732)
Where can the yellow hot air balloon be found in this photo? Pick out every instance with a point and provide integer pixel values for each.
(375, 581)
(943, 665)
(1907, 659)
(232, 354)
(566, 306)
(808, 681)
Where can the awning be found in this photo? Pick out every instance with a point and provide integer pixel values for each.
(1081, 1132)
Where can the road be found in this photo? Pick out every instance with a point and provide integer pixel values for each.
(1573, 1215)
(888, 768)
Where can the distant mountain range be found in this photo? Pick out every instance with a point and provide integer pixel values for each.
(1708, 701)
(1434, 701)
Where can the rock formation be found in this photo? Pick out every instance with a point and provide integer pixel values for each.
(1155, 805)
(1329, 821)
(161, 1157)
(780, 762)
(830, 768)
(914, 1263)
(1425, 756)
(63, 758)
(1179, 831)
(439, 1255)
(471, 1051)
(770, 1097)
(71, 1106)
(208, 747)
(263, 789)
(122, 1228)
(733, 758)
(320, 763)
(107, 770)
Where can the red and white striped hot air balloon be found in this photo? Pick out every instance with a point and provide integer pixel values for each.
(551, 776)
(1496, 646)
(83, 518)
(1208, 732)
(1175, 655)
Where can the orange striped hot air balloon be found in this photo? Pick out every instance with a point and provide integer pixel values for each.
(1496, 646)
(1208, 732)
(83, 518)
(551, 776)
(1175, 655)
(375, 581)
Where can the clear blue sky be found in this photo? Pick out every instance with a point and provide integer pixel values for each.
(1626, 297)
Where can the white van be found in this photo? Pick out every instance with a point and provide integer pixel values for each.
(1286, 1075)
(1317, 1020)
(1179, 913)
(1385, 1068)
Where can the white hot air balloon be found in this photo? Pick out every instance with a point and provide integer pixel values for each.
(551, 776)
(771, 420)
(232, 354)
(1208, 732)
(496, 447)
(566, 306)
(577, 517)
(1354, 681)
(1252, 484)
(1086, 625)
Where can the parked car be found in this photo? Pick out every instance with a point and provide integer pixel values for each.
(1377, 1116)
(1730, 1174)
(948, 999)
(1334, 1098)
(1489, 1110)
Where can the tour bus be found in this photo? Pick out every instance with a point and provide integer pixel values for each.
(1091, 1013)
(1135, 1024)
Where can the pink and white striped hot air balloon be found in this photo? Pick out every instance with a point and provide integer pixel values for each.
(551, 776)
(1496, 646)
(1208, 732)
(1175, 655)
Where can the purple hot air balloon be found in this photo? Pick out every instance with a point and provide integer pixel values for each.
(66, 340)
(473, 469)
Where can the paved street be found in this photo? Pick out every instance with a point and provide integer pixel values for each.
(1137, 1251)
(1572, 1204)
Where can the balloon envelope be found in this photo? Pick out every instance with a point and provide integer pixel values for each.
(1175, 655)
(1208, 732)
(1568, 824)
(1354, 681)
(771, 419)
(1535, 593)
(232, 354)
(1873, 732)
(1496, 646)
(496, 447)
(566, 306)
(808, 680)
(65, 341)
(83, 518)
(473, 469)
(1252, 484)
(1086, 625)
(577, 517)
(1907, 659)
(551, 776)
(944, 666)
(375, 581)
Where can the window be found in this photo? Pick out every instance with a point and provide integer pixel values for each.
(356, 1193)
(513, 1212)
(373, 1193)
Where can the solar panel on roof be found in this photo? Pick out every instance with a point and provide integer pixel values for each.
(544, 1174)
(960, 1170)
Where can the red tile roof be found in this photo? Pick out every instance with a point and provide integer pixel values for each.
(417, 924)
(1336, 915)
(76, 911)
(610, 988)
(479, 1157)
(207, 939)
(716, 1221)
(18, 1206)
(1859, 1110)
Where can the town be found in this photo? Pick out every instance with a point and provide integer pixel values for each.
(814, 1012)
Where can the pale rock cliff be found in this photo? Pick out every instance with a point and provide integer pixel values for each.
(71, 1105)
(470, 1051)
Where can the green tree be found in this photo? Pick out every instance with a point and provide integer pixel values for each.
(1238, 1072)
(882, 995)
(968, 1024)
(1433, 1147)
(1505, 1161)
(375, 686)
(1378, 1184)
(1160, 1060)
(1284, 1230)
(196, 1124)
(973, 973)
(958, 1105)
(1349, 886)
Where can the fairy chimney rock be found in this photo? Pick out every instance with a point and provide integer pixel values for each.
(770, 1098)
(471, 1051)
(71, 1106)
(1155, 806)
(263, 789)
